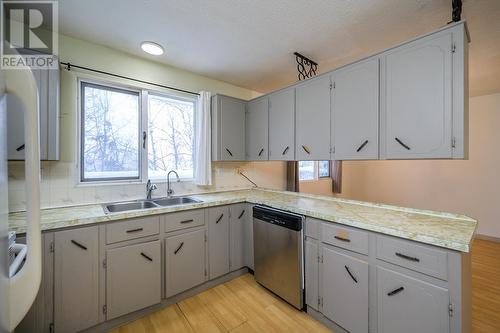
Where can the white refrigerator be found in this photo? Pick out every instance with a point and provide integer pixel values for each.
(18, 291)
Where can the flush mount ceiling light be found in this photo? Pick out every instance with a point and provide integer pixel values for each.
(152, 48)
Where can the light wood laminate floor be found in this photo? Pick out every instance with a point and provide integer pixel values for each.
(241, 305)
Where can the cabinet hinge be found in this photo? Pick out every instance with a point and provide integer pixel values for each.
(104, 263)
(321, 258)
(332, 85)
(453, 47)
(319, 301)
(51, 327)
(450, 309)
(206, 272)
(453, 143)
(105, 309)
(205, 237)
(52, 247)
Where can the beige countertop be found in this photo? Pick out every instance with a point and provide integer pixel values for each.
(446, 230)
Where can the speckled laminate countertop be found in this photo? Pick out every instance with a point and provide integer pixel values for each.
(446, 230)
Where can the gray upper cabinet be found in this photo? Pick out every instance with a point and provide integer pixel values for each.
(48, 93)
(133, 278)
(228, 128)
(282, 125)
(257, 124)
(218, 241)
(418, 98)
(185, 265)
(76, 279)
(312, 134)
(237, 223)
(355, 111)
(409, 305)
(345, 290)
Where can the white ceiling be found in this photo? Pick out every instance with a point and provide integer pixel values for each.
(250, 43)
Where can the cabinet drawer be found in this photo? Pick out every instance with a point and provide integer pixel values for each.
(430, 261)
(344, 237)
(131, 229)
(183, 220)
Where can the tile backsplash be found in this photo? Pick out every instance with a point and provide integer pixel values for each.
(59, 185)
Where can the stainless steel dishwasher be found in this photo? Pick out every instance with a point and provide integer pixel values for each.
(278, 253)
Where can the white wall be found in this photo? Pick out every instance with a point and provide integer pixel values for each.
(470, 187)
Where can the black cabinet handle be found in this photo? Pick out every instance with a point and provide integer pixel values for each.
(306, 149)
(220, 218)
(134, 230)
(21, 147)
(81, 246)
(261, 151)
(362, 146)
(395, 291)
(179, 248)
(241, 215)
(342, 239)
(146, 256)
(352, 276)
(187, 221)
(401, 143)
(285, 150)
(404, 256)
(229, 152)
(144, 137)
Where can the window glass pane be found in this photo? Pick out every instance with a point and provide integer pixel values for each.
(324, 169)
(110, 133)
(306, 170)
(171, 136)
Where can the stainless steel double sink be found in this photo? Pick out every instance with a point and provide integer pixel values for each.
(147, 204)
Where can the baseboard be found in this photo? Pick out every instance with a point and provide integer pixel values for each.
(488, 238)
(325, 321)
(114, 323)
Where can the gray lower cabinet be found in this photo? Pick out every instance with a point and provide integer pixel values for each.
(76, 279)
(409, 305)
(218, 241)
(312, 273)
(185, 265)
(133, 278)
(248, 237)
(345, 290)
(237, 221)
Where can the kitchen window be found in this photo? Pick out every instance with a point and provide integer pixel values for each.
(134, 135)
(313, 170)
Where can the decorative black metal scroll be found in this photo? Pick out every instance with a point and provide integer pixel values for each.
(305, 66)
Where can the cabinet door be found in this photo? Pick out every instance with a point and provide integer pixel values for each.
(248, 237)
(228, 129)
(345, 290)
(218, 241)
(313, 120)
(282, 125)
(185, 261)
(312, 273)
(76, 279)
(133, 278)
(355, 111)
(257, 123)
(418, 99)
(409, 305)
(237, 236)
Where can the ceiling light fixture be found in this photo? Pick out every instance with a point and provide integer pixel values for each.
(152, 48)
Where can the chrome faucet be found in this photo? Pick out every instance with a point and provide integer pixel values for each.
(149, 189)
(169, 190)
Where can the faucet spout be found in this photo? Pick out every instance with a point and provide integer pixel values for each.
(169, 189)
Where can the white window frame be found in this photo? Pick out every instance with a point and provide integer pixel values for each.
(143, 127)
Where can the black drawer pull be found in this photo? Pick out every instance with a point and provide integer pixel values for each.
(241, 215)
(229, 152)
(83, 247)
(187, 221)
(395, 291)
(404, 256)
(306, 150)
(134, 230)
(402, 144)
(285, 150)
(146, 256)
(362, 146)
(179, 248)
(352, 276)
(220, 218)
(261, 151)
(21, 147)
(342, 239)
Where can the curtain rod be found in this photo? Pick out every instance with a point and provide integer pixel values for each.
(70, 65)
